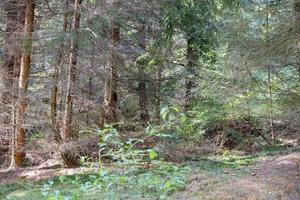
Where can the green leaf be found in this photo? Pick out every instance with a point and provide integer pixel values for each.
(51, 182)
(174, 109)
(164, 110)
(108, 137)
(152, 154)
(62, 178)
(164, 113)
(183, 117)
(92, 1)
(152, 62)
(168, 184)
(147, 130)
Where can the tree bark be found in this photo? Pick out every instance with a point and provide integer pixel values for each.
(90, 84)
(158, 93)
(67, 129)
(15, 17)
(9, 70)
(270, 80)
(57, 71)
(111, 86)
(23, 83)
(90, 99)
(191, 63)
(142, 85)
(297, 26)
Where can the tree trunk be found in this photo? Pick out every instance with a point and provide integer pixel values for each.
(90, 85)
(270, 80)
(191, 63)
(297, 25)
(9, 70)
(67, 129)
(12, 55)
(271, 103)
(23, 83)
(142, 85)
(158, 93)
(111, 86)
(57, 70)
(110, 93)
(90, 99)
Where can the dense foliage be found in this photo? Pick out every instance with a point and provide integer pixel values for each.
(128, 87)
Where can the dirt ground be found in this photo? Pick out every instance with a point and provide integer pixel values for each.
(273, 179)
(48, 170)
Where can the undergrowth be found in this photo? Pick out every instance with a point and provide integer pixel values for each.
(135, 173)
(155, 181)
(140, 183)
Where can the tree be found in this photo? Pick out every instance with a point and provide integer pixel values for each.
(194, 19)
(23, 82)
(158, 84)
(297, 25)
(270, 77)
(67, 125)
(111, 81)
(15, 15)
(57, 73)
(142, 84)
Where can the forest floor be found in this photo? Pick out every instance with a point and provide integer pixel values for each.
(266, 175)
(274, 177)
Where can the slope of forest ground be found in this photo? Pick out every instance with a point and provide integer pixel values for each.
(274, 177)
(269, 174)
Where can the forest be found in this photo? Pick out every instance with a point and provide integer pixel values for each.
(149, 99)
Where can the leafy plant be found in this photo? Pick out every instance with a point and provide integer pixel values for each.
(123, 152)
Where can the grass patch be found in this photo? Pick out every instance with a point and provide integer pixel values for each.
(237, 164)
(223, 165)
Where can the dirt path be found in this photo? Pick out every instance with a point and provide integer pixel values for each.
(273, 179)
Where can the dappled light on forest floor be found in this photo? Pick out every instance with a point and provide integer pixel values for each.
(265, 175)
(276, 177)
